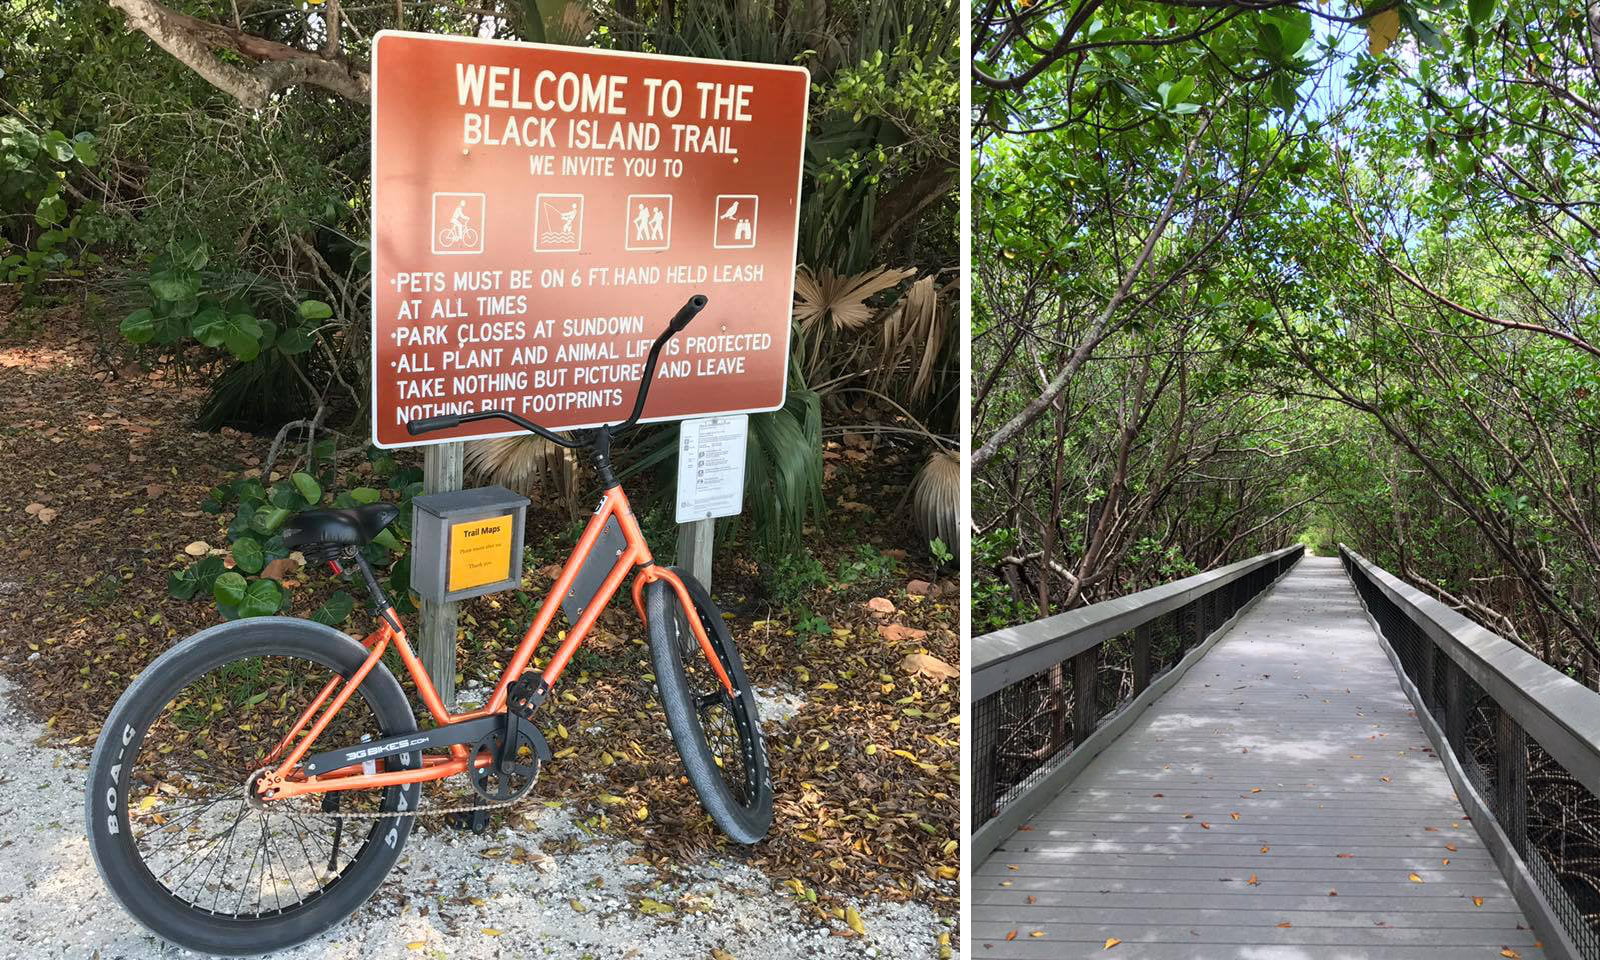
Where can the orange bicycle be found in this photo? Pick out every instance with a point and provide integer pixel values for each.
(255, 784)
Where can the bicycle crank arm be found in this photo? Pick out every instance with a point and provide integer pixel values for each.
(467, 731)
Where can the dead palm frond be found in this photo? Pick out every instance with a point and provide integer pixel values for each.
(912, 338)
(529, 465)
(936, 497)
(840, 300)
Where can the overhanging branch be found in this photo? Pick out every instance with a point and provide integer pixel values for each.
(195, 43)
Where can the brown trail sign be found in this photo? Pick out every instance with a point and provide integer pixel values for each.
(540, 211)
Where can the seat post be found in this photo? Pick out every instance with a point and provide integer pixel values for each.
(380, 598)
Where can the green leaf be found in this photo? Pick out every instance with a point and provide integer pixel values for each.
(139, 326)
(295, 340)
(269, 519)
(336, 610)
(175, 285)
(1480, 11)
(51, 210)
(262, 598)
(308, 486)
(58, 146)
(247, 555)
(315, 310)
(83, 148)
(364, 495)
(182, 585)
(229, 589)
(239, 332)
(192, 253)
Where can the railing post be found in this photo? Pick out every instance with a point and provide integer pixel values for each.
(1141, 655)
(1511, 780)
(1427, 653)
(1085, 704)
(1455, 709)
(1198, 605)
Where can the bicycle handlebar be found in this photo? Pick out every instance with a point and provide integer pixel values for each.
(679, 321)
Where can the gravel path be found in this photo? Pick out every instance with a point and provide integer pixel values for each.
(446, 898)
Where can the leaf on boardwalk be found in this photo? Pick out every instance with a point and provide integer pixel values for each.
(1110, 942)
(1234, 815)
(1037, 933)
(1255, 789)
(1510, 954)
(1415, 878)
(1265, 849)
(1011, 935)
(1204, 825)
(1253, 881)
(1347, 856)
(1451, 847)
(1285, 925)
(1477, 901)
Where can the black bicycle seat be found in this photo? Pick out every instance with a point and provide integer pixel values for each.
(353, 527)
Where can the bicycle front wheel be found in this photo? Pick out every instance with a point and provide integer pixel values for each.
(171, 823)
(718, 734)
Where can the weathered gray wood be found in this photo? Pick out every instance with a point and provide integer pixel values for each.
(1299, 701)
(442, 471)
(695, 543)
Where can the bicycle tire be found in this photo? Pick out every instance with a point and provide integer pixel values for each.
(743, 811)
(115, 848)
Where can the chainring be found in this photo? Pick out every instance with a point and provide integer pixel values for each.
(508, 778)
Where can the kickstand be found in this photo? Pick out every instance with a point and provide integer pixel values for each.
(477, 821)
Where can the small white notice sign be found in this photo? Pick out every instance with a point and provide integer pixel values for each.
(711, 467)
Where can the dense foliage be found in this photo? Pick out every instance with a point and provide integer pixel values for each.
(196, 175)
(1319, 271)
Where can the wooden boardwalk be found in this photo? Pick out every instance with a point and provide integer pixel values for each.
(1281, 802)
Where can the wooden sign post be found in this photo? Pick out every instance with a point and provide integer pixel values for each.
(442, 472)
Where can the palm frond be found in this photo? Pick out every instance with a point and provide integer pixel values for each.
(936, 497)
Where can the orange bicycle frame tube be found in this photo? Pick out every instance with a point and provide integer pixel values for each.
(284, 781)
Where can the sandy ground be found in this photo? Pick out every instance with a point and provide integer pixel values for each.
(444, 899)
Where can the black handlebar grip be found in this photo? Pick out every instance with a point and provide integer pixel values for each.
(430, 424)
(687, 312)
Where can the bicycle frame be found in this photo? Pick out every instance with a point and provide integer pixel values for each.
(283, 781)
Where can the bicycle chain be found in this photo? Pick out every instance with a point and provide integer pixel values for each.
(419, 812)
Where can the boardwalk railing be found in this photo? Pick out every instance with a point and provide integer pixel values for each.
(1049, 695)
(1520, 740)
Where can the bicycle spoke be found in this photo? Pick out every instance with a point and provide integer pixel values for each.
(189, 815)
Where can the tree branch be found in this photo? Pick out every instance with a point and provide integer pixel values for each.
(194, 42)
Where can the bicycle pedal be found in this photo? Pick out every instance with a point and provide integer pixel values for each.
(524, 696)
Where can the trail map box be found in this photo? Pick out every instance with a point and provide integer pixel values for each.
(540, 211)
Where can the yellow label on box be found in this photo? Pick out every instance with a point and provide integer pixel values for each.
(480, 552)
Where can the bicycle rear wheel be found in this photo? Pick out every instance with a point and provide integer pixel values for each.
(175, 835)
(718, 735)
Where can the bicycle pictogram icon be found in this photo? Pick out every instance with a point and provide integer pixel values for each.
(458, 223)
